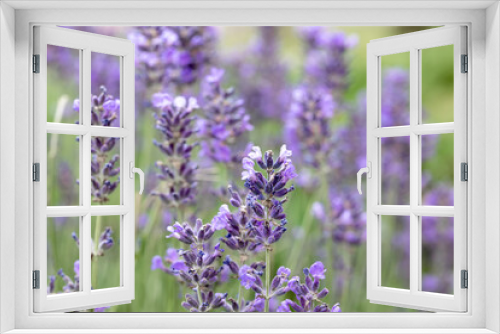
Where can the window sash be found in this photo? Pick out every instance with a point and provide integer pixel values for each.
(86, 43)
(413, 43)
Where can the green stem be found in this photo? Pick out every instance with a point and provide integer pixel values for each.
(95, 267)
(268, 276)
(198, 292)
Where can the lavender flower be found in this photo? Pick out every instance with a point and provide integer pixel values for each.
(72, 285)
(209, 301)
(326, 59)
(173, 259)
(192, 52)
(395, 100)
(265, 200)
(308, 126)
(260, 220)
(348, 218)
(249, 277)
(267, 195)
(255, 305)
(343, 221)
(105, 242)
(151, 44)
(191, 235)
(349, 155)
(172, 56)
(197, 269)
(308, 294)
(105, 169)
(174, 120)
(263, 77)
(105, 71)
(99, 247)
(225, 119)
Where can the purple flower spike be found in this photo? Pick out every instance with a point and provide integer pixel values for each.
(174, 121)
(172, 56)
(307, 126)
(308, 293)
(71, 285)
(225, 120)
(263, 76)
(105, 168)
(326, 58)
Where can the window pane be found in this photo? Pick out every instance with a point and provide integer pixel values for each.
(437, 169)
(105, 89)
(105, 252)
(63, 82)
(395, 97)
(63, 157)
(63, 255)
(395, 170)
(437, 84)
(395, 239)
(437, 254)
(105, 170)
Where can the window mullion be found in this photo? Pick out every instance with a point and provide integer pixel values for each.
(414, 169)
(85, 181)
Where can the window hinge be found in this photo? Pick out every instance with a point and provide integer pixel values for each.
(36, 279)
(465, 279)
(36, 63)
(465, 64)
(36, 172)
(464, 171)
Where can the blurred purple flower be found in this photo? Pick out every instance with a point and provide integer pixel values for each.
(326, 62)
(308, 126)
(224, 121)
(71, 285)
(263, 77)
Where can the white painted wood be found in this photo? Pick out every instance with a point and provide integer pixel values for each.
(471, 322)
(413, 43)
(7, 167)
(418, 129)
(492, 186)
(77, 129)
(245, 4)
(419, 210)
(86, 43)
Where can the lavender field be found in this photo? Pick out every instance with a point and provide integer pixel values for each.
(250, 138)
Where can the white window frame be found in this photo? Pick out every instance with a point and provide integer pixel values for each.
(483, 21)
(414, 43)
(86, 43)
